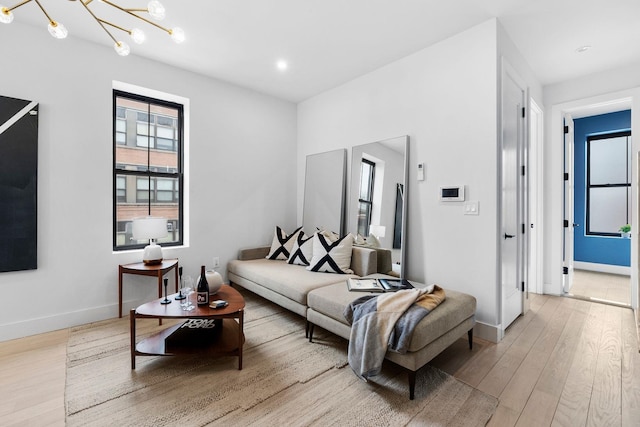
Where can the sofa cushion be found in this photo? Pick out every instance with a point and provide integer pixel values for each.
(457, 307)
(302, 250)
(282, 243)
(292, 281)
(331, 257)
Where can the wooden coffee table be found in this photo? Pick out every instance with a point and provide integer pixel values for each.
(227, 341)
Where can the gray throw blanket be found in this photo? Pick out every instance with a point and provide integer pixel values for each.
(373, 319)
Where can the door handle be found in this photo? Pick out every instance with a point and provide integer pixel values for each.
(509, 236)
(576, 225)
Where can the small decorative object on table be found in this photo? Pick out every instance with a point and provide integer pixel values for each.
(165, 300)
(180, 295)
(203, 288)
(214, 279)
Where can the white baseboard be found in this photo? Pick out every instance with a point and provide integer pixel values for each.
(602, 268)
(487, 332)
(25, 328)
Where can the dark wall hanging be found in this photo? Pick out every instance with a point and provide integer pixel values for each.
(18, 184)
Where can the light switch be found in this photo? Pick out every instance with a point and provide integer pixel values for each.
(420, 171)
(472, 208)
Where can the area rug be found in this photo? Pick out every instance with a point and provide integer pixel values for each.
(285, 380)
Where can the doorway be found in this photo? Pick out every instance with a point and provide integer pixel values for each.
(598, 169)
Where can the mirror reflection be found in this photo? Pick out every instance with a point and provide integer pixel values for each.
(377, 203)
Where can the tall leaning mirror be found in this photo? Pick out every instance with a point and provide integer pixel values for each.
(325, 191)
(378, 200)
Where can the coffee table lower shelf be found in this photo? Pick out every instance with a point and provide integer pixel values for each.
(225, 343)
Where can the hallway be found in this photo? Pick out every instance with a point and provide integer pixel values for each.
(601, 286)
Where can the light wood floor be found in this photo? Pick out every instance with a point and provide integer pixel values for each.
(566, 362)
(605, 286)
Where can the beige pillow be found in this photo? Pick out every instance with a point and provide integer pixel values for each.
(282, 243)
(302, 250)
(331, 257)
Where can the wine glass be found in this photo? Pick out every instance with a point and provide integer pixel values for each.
(187, 291)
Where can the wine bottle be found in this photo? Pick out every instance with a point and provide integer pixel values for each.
(203, 288)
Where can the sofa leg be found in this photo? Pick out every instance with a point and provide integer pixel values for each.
(470, 335)
(412, 384)
(306, 330)
(311, 326)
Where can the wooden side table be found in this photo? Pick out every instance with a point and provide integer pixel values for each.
(142, 269)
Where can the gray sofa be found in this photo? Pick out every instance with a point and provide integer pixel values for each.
(322, 297)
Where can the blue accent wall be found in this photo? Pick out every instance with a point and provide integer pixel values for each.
(595, 249)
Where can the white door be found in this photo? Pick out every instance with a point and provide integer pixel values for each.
(513, 210)
(567, 248)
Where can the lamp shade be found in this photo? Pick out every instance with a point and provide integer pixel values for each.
(377, 230)
(149, 228)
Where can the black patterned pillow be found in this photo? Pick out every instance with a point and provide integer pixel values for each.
(331, 256)
(282, 244)
(302, 250)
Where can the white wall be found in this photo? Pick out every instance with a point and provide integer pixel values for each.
(444, 98)
(242, 176)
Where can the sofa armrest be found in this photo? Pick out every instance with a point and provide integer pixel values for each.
(364, 261)
(253, 253)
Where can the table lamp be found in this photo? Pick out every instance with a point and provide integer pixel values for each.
(150, 228)
(377, 230)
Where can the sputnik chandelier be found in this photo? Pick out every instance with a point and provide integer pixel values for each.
(57, 30)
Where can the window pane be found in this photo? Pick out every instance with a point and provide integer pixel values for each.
(165, 144)
(366, 175)
(164, 132)
(607, 209)
(608, 161)
(137, 123)
(143, 129)
(364, 215)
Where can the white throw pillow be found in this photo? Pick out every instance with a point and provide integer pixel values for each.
(302, 250)
(331, 257)
(282, 244)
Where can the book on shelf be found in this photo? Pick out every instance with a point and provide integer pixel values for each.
(377, 285)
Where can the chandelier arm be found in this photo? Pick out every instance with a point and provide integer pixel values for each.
(114, 26)
(129, 11)
(98, 21)
(19, 4)
(45, 12)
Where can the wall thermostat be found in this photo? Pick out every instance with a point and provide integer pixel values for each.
(452, 193)
(420, 171)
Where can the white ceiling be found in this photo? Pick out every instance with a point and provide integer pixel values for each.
(329, 42)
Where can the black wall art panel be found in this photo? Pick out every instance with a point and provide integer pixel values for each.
(18, 184)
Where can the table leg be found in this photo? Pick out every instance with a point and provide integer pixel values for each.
(132, 323)
(240, 338)
(120, 292)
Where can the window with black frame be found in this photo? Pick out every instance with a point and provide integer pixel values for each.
(365, 198)
(608, 183)
(147, 166)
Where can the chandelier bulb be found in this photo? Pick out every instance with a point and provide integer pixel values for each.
(122, 48)
(137, 35)
(177, 35)
(156, 9)
(6, 16)
(57, 30)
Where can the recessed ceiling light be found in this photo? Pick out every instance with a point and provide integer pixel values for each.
(583, 48)
(282, 65)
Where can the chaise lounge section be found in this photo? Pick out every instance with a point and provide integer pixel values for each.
(322, 297)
